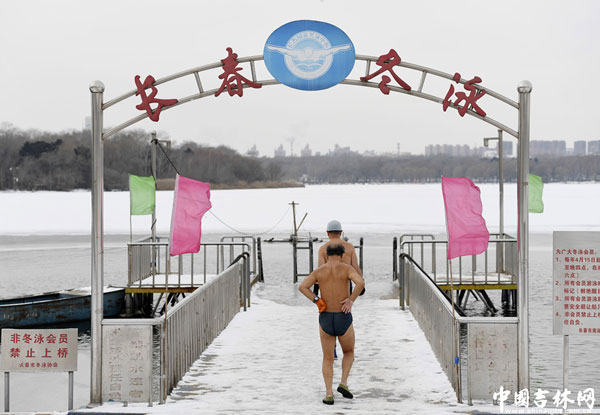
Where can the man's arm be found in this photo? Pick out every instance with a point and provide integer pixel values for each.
(357, 279)
(305, 285)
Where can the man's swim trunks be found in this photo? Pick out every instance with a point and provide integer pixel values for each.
(335, 324)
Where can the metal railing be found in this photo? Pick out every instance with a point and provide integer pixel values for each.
(433, 253)
(243, 238)
(193, 323)
(297, 245)
(144, 262)
(143, 259)
(486, 364)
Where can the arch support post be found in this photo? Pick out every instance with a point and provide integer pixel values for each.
(524, 89)
(97, 312)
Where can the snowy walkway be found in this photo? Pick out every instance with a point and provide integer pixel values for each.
(268, 360)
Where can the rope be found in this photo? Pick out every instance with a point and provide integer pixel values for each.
(167, 156)
(246, 233)
(233, 229)
(278, 222)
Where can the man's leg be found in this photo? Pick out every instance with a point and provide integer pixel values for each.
(327, 344)
(347, 343)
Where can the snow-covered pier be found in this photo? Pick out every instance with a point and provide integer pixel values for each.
(268, 360)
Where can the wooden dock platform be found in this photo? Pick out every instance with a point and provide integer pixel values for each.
(479, 281)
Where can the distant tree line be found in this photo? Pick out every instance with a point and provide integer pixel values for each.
(356, 168)
(37, 160)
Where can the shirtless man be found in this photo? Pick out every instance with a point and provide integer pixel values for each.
(335, 318)
(334, 233)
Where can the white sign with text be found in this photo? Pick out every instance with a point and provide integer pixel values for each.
(576, 283)
(31, 350)
(127, 363)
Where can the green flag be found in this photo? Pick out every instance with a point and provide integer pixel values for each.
(142, 192)
(536, 187)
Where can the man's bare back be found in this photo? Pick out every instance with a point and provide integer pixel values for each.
(333, 277)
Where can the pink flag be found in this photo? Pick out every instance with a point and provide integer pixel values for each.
(467, 233)
(190, 202)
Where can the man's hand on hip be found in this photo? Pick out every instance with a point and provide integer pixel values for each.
(347, 305)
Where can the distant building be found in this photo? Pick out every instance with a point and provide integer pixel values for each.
(580, 148)
(453, 150)
(306, 152)
(507, 148)
(548, 148)
(341, 150)
(87, 123)
(594, 147)
(280, 151)
(253, 152)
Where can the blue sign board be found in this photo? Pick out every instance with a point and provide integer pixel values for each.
(309, 55)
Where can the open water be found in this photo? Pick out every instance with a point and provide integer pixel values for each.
(33, 264)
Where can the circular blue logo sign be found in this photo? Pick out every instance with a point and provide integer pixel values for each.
(309, 55)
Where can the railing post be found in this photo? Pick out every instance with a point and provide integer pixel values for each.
(360, 251)
(295, 257)
(243, 282)
(163, 362)
(311, 261)
(259, 254)
(524, 89)
(395, 259)
(6, 391)
(254, 254)
(401, 279)
(97, 90)
(249, 285)
(222, 247)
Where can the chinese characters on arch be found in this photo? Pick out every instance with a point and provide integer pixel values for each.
(468, 100)
(233, 82)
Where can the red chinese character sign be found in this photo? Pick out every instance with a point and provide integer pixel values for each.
(387, 63)
(153, 113)
(469, 100)
(49, 350)
(232, 80)
(576, 283)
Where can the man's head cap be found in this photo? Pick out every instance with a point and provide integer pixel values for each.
(334, 226)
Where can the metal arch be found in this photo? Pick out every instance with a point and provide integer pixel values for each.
(98, 107)
(356, 82)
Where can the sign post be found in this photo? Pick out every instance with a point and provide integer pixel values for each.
(49, 350)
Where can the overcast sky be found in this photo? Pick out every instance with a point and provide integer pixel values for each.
(50, 51)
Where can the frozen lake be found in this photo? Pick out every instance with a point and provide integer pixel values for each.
(45, 245)
(373, 208)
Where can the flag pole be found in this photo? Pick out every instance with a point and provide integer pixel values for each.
(454, 336)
